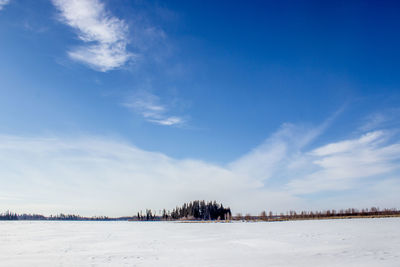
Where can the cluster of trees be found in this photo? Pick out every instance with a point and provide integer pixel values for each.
(199, 210)
(148, 216)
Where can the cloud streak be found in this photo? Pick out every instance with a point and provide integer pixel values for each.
(341, 165)
(104, 35)
(148, 106)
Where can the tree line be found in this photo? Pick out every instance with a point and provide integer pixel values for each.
(202, 210)
(325, 214)
(9, 216)
(195, 210)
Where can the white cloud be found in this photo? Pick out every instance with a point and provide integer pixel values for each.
(100, 176)
(348, 145)
(168, 121)
(90, 175)
(283, 164)
(105, 35)
(340, 165)
(3, 3)
(280, 151)
(148, 105)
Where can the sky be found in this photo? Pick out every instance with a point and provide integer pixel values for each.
(110, 107)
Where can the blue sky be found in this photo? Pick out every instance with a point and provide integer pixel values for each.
(263, 105)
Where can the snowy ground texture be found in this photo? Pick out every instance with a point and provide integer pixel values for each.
(356, 242)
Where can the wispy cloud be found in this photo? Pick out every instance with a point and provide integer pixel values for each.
(3, 3)
(148, 105)
(383, 119)
(59, 174)
(284, 164)
(280, 149)
(93, 175)
(168, 121)
(104, 34)
(341, 165)
(106, 39)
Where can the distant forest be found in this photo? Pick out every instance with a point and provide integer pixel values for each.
(326, 214)
(200, 210)
(196, 210)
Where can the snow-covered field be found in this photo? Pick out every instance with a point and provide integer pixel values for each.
(357, 242)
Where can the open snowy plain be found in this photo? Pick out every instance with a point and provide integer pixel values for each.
(356, 242)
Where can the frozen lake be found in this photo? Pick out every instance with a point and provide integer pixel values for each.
(357, 242)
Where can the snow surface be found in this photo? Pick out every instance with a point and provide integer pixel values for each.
(356, 242)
